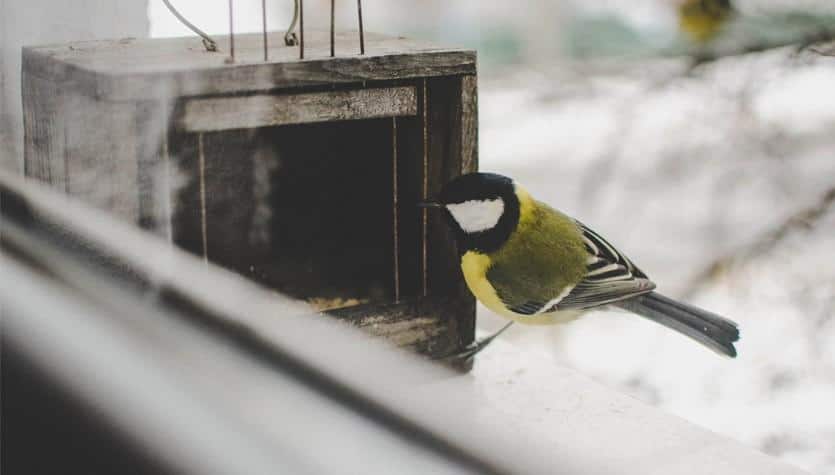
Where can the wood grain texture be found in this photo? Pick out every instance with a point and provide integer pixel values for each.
(261, 110)
(154, 178)
(469, 124)
(101, 154)
(130, 69)
(82, 146)
(444, 148)
(43, 121)
(447, 141)
(420, 325)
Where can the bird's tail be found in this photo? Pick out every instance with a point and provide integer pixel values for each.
(713, 331)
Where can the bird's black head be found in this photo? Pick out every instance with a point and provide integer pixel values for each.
(482, 208)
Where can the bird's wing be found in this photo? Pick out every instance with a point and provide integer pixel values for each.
(524, 292)
(541, 268)
(610, 276)
(532, 284)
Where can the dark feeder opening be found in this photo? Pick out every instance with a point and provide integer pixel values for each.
(318, 223)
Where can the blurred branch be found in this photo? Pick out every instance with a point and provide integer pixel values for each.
(828, 52)
(808, 43)
(804, 219)
(601, 172)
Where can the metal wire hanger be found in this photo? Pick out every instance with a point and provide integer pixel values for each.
(208, 42)
(290, 38)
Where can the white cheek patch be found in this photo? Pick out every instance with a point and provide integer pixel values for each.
(477, 215)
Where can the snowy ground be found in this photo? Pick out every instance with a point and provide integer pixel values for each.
(715, 182)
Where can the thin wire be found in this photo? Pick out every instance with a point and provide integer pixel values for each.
(231, 32)
(202, 165)
(208, 42)
(362, 32)
(425, 196)
(301, 29)
(290, 37)
(264, 27)
(167, 189)
(395, 220)
(333, 28)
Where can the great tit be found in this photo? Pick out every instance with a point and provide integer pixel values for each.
(703, 20)
(532, 264)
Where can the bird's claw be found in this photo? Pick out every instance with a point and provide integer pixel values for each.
(468, 352)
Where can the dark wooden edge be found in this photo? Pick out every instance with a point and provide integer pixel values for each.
(419, 324)
(246, 78)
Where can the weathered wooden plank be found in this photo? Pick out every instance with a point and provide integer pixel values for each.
(419, 324)
(429, 149)
(44, 140)
(469, 124)
(102, 143)
(154, 178)
(124, 70)
(261, 110)
(447, 140)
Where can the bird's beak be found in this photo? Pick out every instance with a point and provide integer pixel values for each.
(429, 204)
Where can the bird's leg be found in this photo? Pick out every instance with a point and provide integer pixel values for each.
(475, 347)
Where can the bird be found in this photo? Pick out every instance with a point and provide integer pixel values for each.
(534, 265)
(702, 20)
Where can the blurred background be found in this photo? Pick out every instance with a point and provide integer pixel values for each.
(698, 136)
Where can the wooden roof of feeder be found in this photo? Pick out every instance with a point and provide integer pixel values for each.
(151, 69)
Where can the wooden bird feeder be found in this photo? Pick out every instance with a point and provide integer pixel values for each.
(302, 174)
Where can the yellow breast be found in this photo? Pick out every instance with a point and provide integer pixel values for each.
(474, 265)
(702, 20)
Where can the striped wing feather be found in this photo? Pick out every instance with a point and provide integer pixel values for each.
(611, 276)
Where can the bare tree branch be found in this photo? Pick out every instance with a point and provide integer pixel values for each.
(804, 220)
